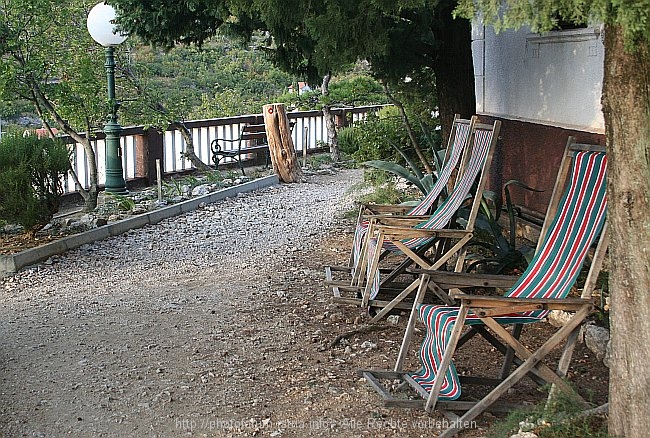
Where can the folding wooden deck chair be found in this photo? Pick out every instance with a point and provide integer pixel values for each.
(408, 235)
(575, 218)
(456, 147)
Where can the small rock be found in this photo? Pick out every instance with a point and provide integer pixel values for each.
(200, 190)
(596, 339)
(524, 435)
(393, 319)
(368, 345)
(558, 318)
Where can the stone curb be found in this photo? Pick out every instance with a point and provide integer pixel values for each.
(14, 262)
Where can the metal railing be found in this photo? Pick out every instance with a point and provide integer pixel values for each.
(140, 147)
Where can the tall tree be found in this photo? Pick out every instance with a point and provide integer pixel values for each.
(626, 108)
(46, 59)
(400, 38)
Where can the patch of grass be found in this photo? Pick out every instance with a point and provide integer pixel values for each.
(317, 160)
(562, 419)
(123, 203)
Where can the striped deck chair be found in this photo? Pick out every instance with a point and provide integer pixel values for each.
(457, 145)
(575, 219)
(406, 235)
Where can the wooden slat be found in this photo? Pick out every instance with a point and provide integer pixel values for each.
(461, 279)
(507, 310)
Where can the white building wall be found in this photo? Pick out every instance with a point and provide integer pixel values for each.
(552, 79)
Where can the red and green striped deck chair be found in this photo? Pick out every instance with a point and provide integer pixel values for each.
(575, 219)
(407, 235)
(456, 147)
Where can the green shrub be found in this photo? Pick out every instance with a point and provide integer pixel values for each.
(375, 133)
(31, 172)
(348, 142)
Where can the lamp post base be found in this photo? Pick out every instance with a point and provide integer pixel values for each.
(115, 182)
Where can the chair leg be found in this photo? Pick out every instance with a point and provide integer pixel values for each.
(510, 353)
(408, 334)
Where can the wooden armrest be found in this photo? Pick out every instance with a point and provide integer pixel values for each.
(393, 220)
(386, 208)
(487, 302)
(449, 280)
(394, 232)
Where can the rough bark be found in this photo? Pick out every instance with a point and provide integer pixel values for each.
(409, 130)
(453, 68)
(281, 149)
(626, 106)
(330, 124)
(189, 153)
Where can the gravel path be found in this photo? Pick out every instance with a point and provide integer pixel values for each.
(215, 323)
(152, 332)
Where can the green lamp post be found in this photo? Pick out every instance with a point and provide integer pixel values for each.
(101, 27)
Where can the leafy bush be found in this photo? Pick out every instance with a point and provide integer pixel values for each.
(31, 171)
(348, 142)
(375, 134)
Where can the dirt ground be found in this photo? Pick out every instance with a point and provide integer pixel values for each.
(165, 361)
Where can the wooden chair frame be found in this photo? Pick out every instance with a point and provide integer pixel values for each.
(368, 212)
(395, 229)
(486, 308)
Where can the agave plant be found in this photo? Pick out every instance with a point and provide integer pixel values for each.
(505, 255)
(413, 174)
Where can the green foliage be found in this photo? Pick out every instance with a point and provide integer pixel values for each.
(45, 47)
(348, 90)
(381, 142)
(31, 171)
(317, 160)
(376, 133)
(219, 79)
(348, 142)
(543, 15)
(385, 194)
(121, 202)
(559, 419)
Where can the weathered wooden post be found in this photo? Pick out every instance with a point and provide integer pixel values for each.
(281, 148)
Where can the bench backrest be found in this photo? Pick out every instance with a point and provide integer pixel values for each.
(253, 132)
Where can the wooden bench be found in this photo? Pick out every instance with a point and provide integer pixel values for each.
(252, 139)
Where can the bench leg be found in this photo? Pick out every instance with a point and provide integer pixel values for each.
(241, 165)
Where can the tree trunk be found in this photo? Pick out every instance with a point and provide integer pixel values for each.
(281, 149)
(89, 194)
(332, 137)
(409, 130)
(189, 153)
(453, 67)
(626, 106)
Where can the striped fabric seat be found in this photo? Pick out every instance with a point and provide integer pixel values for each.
(551, 273)
(461, 138)
(444, 213)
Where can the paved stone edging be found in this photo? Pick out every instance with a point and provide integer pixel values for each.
(14, 262)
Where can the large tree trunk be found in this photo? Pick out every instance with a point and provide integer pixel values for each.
(626, 106)
(453, 67)
(281, 148)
